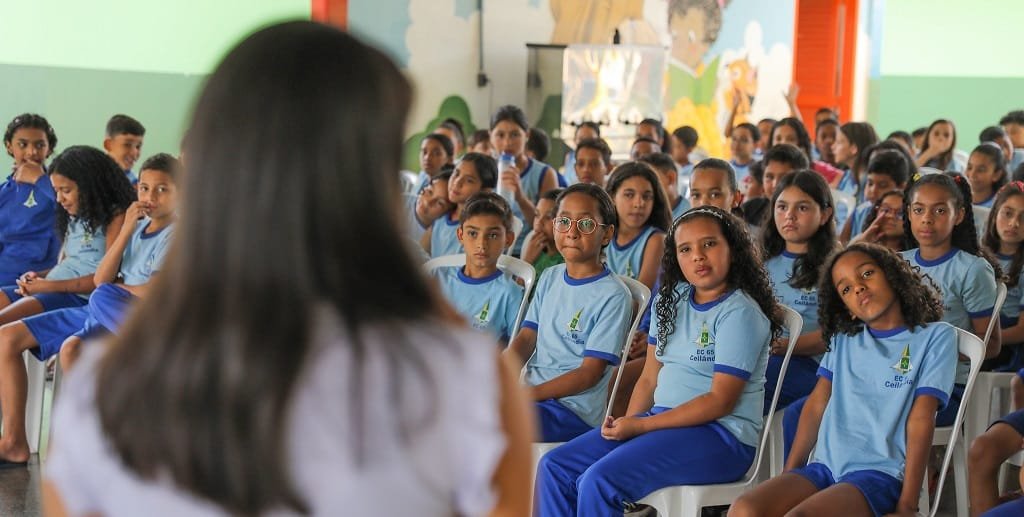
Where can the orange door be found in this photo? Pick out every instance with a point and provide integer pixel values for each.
(823, 54)
(334, 12)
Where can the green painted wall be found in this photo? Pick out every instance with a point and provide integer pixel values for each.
(78, 63)
(947, 60)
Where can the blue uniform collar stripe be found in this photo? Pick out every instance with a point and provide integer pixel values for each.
(886, 333)
(476, 281)
(702, 307)
(626, 246)
(931, 263)
(792, 255)
(583, 281)
(145, 235)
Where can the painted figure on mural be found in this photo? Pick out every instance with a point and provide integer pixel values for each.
(694, 26)
(595, 21)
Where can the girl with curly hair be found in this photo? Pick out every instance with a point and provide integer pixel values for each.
(702, 383)
(945, 247)
(92, 193)
(871, 416)
(800, 237)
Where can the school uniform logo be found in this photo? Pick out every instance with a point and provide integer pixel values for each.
(629, 271)
(902, 367)
(576, 334)
(31, 201)
(705, 342)
(483, 316)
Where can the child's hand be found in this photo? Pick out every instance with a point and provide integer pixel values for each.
(779, 346)
(135, 211)
(792, 93)
(28, 172)
(874, 232)
(622, 428)
(509, 179)
(36, 286)
(28, 276)
(537, 245)
(639, 345)
(737, 96)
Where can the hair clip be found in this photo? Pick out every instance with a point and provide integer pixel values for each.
(704, 211)
(917, 176)
(958, 179)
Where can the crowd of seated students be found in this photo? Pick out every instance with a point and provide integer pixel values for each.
(722, 242)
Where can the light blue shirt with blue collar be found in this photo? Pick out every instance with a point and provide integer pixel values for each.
(1016, 159)
(987, 203)
(729, 335)
(681, 206)
(742, 171)
(627, 259)
(145, 252)
(444, 237)
(530, 180)
(804, 301)
(575, 318)
(967, 284)
(490, 304)
(876, 376)
(83, 250)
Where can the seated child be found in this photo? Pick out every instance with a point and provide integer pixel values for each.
(584, 131)
(643, 146)
(480, 142)
(28, 204)
(871, 416)
(436, 151)
(695, 414)
(541, 252)
(135, 256)
(577, 322)
(123, 142)
(592, 161)
(428, 206)
(93, 194)
(684, 141)
(668, 174)
(643, 215)
(473, 173)
(488, 298)
(1003, 439)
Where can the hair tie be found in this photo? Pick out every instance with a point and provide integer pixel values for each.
(917, 176)
(702, 211)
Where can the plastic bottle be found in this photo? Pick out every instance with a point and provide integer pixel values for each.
(505, 161)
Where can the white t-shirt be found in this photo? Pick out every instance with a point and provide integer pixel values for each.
(445, 469)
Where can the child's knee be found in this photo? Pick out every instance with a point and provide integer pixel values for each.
(743, 507)
(984, 451)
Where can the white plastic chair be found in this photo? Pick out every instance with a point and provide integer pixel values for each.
(409, 185)
(687, 501)
(526, 242)
(640, 295)
(34, 408)
(952, 437)
(981, 219)
(517, 227)
(847, 201)
(979, 414)
(507, 264)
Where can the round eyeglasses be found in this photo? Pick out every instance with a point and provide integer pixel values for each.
(586, 226)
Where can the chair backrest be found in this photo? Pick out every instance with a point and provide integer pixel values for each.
(1000, 300)
(794, 326)
(981, 214)
(970, 346)
(409, 182)
(517, 227)
(526, 241)
(847, 200)
(640, 295)
(507, 264)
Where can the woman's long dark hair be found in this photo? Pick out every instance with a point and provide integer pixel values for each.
(965, 234)
(917, 294)
(992, 241)
(746, 271)
(661, 215)
(823, 242)
(198, 385)
(103, 189)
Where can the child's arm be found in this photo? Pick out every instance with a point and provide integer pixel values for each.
(643, 392)
(794, 111)
(425, 238)
(736, 93)
(980, 327)
(106, 272)
(80, 285)
(512, 476)
(844, 236)
(920, 426)
(523, 345)
(532, 252)
(572, 382)
(1014, 334)
(651, 262)
(810, 421)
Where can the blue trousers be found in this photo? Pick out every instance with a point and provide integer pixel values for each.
(1013, 508)
(592, 476)
(801, 376)
(107, 308)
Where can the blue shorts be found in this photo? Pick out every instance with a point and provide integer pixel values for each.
(1014, 420)
(1011, 509)
(107, 308)
(49, 301)
(947, 415)
(558, 423)
(881, 490)
(50, 329)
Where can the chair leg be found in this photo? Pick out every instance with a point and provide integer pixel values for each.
(960, 475)
(922, 501)
(776, 447)
(34, 408)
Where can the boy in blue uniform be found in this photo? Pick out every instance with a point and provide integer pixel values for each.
(123, 142)
(473, 173)
(134, 257)
(577, 322)
(488, 298)
(668, 174)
